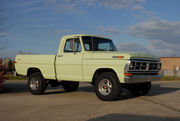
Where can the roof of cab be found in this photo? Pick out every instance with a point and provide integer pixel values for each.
(72, 35)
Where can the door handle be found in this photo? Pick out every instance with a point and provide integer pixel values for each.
(60, 55)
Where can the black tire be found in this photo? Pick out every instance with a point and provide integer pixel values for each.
(102, 92)
(39, 87)
(140, 89)
(70, 86)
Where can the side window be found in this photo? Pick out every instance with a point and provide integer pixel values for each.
(72, 45)
(104, 46)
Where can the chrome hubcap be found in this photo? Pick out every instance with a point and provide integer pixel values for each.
(105, 87)
(34, 83)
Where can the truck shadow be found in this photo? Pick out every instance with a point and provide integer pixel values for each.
(130, 117)
(14, 88)
(157, 89)
(21, 87)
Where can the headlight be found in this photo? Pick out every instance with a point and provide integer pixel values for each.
(131, 66)
(159, 66)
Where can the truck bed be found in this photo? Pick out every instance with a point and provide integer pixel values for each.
(43, 62)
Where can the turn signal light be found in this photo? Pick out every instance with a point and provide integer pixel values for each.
(128, 74)
(118, 57)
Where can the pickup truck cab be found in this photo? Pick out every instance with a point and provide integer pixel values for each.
(93, 59)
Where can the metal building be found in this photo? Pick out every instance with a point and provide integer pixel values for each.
(171, 66)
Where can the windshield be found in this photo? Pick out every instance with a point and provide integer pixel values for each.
(98, 44)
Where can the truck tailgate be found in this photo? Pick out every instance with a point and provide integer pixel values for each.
(45, 63)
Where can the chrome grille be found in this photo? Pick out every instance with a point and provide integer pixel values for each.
(143, 65)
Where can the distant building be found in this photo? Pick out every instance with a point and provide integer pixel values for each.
(171, 66)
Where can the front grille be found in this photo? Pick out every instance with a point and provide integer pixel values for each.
(143, 66)
(145, 73)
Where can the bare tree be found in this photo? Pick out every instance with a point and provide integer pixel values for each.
(2, 25)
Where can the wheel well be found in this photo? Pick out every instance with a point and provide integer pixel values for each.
(32, 70)
(100, 71)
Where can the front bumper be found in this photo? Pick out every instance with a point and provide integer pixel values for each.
(141, 78)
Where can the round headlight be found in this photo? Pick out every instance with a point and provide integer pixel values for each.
(159, 66)
(131, 66)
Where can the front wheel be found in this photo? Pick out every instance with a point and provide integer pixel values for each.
(107, 87)
(37, 84)
(140, 89)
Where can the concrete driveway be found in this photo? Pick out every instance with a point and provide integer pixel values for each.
(17, 104)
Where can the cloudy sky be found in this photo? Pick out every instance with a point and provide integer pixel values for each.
(36, 26)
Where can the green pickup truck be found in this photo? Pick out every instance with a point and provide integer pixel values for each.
(93, 59)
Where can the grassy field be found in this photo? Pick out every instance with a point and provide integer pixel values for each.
(17, 77)
(170, 78)
(164, 78)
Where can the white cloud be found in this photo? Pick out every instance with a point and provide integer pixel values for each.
(27, 3)
(63, 5)
(78, 6)
(137, 8)
(3, 26)
(73, 5)
(116, 4)
(41, 19)
(44, 25)
(2, 47)
(163, 36)
(132, 46)
(5, 53)
(59, 31)
(158, 29)
(35, 9)
(109, 30)
(150, 13)
(2, 33)
(3, 44)
(138, 47)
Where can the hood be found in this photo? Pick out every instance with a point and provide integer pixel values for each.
(127, 55)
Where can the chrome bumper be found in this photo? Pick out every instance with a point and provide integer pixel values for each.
(140, 79)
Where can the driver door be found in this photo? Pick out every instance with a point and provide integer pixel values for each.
(69, 63)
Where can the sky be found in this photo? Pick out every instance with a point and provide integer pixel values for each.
(36, 26)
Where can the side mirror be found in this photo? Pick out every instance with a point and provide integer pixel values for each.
(72, 44)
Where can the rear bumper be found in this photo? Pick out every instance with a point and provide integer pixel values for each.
(140, 79)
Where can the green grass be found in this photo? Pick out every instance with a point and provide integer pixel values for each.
(164, 78)
(170, 78)
(17, 78)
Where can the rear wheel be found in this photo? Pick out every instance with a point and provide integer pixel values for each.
(139, 89)
(37, 84)
(70, 86)
(107, 86)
